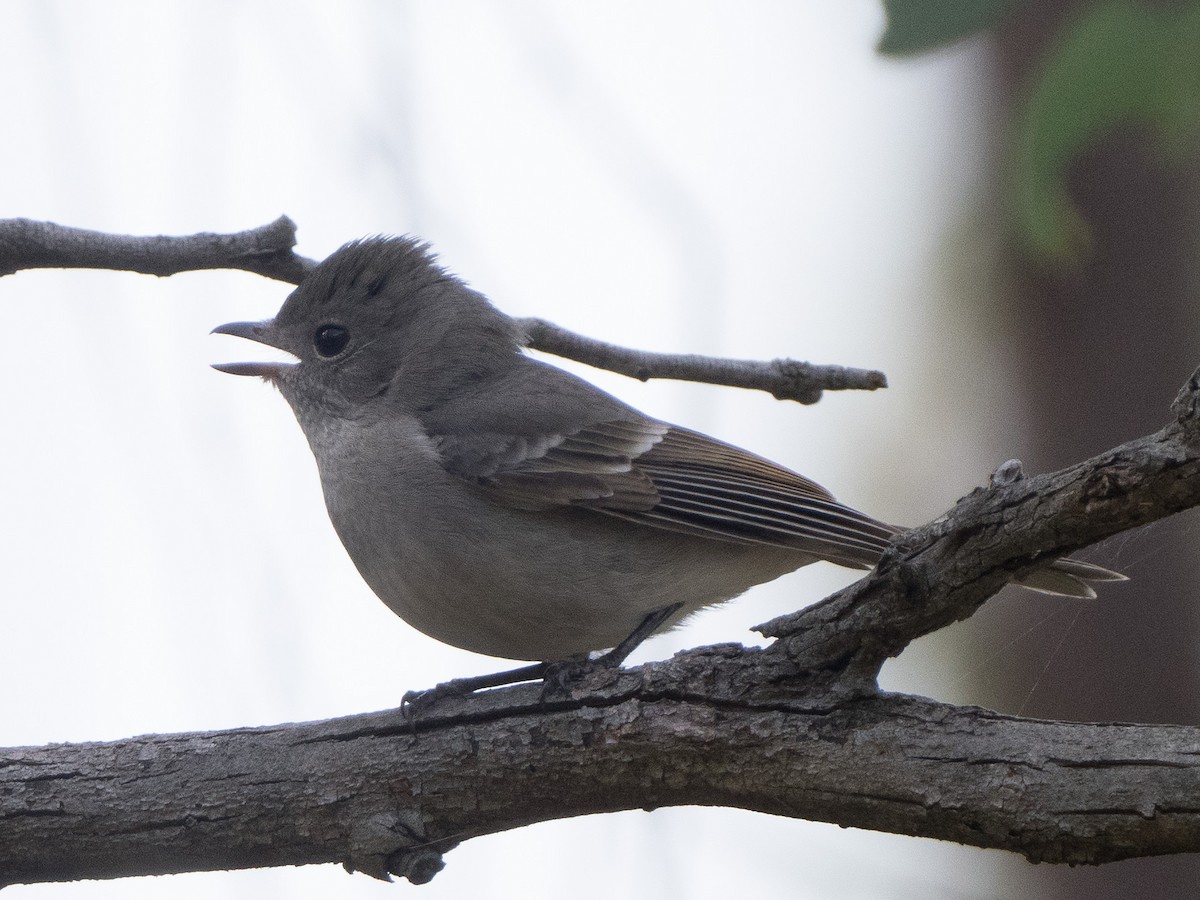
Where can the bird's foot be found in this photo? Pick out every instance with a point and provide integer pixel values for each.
(414, 703)
(556, 677)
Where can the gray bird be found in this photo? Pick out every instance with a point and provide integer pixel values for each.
(505, 506)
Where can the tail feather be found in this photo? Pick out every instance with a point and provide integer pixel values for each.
(1068, 578)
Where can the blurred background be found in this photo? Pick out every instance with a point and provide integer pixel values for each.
(994, 202)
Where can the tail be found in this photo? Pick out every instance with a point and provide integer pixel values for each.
(861, 540)
(1068, 578)
(1064, 577)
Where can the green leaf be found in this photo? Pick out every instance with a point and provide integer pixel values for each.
(916, 26)
(1118, 63)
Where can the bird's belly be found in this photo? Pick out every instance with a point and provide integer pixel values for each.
(535, 585)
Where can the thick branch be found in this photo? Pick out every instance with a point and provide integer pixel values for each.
(267, 250)
(364, 792)
(785, 379)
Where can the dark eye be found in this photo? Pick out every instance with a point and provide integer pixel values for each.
(330, 340)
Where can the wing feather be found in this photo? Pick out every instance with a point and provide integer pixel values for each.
(668, 477)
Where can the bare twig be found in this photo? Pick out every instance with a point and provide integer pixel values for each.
(267, 250)
(785, 379)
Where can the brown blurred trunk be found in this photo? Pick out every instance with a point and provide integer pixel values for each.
(1101, 352)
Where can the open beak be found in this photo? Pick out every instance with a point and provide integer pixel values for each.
(263, 333)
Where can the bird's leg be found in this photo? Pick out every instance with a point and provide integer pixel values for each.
(459, 687)
(413, 702)
(648, 626)
(555, 674)
(558, 674)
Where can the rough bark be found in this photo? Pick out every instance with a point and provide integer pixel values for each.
(366, 792)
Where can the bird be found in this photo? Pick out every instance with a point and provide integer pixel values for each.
(502, 505)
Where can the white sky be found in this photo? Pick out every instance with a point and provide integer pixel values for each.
(746, 179)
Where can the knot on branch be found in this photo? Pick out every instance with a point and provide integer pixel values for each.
(804, 382)
(795, 382)
(1008, 472)
(418, 865)
(1109, 484)
(395, 843)
(1186, 406)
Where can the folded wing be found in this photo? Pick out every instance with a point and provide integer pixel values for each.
(668, 477)
(673, 478)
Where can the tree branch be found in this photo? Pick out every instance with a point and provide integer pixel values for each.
(785, 379)
(364, 792)
(267, 251)
(944, 571)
